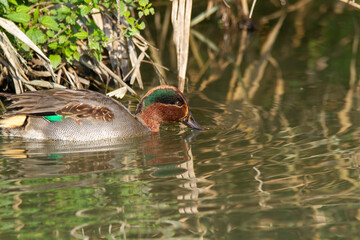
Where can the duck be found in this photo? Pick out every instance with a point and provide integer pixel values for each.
(85, 115)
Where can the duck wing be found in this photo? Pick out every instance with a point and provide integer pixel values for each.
(77, 104)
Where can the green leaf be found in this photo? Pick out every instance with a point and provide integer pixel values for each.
(53, 12)
(69, 59)
(50, 33)
(126, 14)
(53, 45)
(134, 30)
(152, 11)
(140, 14)
(5, 4)
(141, 26)
(62, 39)
(131, 20)
(13, 2)
(71, 19)
(36, 15)
(94, 45)
(23, 9)
(64, 10)
(42, 39)
(143, 3)
(18, 17)
(98, 56)
(84, 10)
(73, 47)
(36, 35)
(49, 22)
(25, 47)
(55, 60)
(146, 12)
(97, 34)
(68, 52)
(108, 5)
(76, 56)
(122, 7)
(81, 35)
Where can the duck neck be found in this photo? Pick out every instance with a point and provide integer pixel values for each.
(150, 118)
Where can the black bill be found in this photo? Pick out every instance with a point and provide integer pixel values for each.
(190, 122)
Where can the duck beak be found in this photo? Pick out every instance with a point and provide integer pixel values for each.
(190, 122)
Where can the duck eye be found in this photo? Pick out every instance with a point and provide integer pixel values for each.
(178, 103)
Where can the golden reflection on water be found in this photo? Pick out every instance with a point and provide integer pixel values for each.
(167, 157)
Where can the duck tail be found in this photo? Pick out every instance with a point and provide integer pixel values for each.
(13, 121)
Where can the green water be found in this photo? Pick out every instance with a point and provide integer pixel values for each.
(279, 157)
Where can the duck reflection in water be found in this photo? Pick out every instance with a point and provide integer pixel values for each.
(48, 158)
(91, 166)
(169, 155)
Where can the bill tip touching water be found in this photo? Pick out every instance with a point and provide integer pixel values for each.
(84, 115)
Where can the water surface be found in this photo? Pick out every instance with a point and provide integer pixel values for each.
(278, 159)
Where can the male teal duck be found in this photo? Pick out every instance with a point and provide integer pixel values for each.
(84, 115)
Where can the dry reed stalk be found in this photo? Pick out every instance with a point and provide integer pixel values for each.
(279, 89)
(44, 84)
(255, 71)
(106, 24)
(16, 32)
(74, 76)
(136, 68)
(351, 3)
(3, 74)
(245, 7)
(162, 28)
(291, 8)
(120, 50)
(265, 53)
(165, 29)
(235, 75)
(13, 64)
(58, 77)
(119, 93)
(143, 45)
(156, 56)
(69, 78)
(181, 19)
(344, 114)
(202, 71)
(222, 65)
(116, 49)
(202, 16)
(196, 51)
(38, 73)
(205, 40)
(116, 77)
(252, 8)
(135, 62)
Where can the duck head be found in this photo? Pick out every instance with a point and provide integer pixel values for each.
(165, 104)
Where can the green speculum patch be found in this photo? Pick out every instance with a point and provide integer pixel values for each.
(54, 118)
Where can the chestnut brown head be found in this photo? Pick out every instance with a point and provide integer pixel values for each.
(165, 104)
